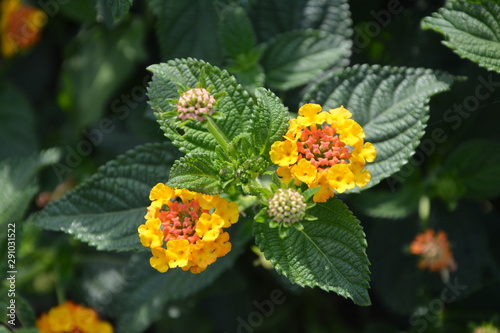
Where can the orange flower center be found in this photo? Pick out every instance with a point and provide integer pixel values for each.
(322, 147)
(179, 220)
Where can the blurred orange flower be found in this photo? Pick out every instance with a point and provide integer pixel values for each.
(434, 251)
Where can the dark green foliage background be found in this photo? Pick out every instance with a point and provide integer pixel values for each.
(56, 95)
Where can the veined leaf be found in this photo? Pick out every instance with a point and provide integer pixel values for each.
(236, 32)
(19, 184)
(294, 58)
(470, 30)
(269, 120)
(391, 103)
(329, 252)
(106, 210)
(279, 16)
(236, 105)
(119, 7)
(196, 172)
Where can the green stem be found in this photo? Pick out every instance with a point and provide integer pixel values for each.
(218, 135)
(424, 209)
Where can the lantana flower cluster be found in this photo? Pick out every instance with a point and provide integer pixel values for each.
(324, 149)
(20, 26)
(434, 251)
(186, 229)
(196, 104)
(71, 317)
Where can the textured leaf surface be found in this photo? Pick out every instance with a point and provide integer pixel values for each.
(19, 185)
(149, 290)
(106, 210)
(16, 124)
(270, 120)
(294, 58)
(235, 105)
(479, 172)
(391, 103)
(470, 30)
(195, 172)
(182, 28)
(275, 17)
(119, 7)
(236, 32)
(329, 253)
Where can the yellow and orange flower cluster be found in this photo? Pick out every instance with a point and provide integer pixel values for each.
(20, 26)
(434, 251)
(70, 317)
(326, 149)
(190, 224)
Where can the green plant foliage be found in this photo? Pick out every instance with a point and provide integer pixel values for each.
(106, 210)
(235, 105)
(334, 242)
(470, 30)
(16, 124)
(19, 185)
(276, 17)
(119, 7)
(294, 58)
(187, 38)
(236, 31)
(390, 103)
(193, 172)
(97, 68)
(478, 174)
(269, 121)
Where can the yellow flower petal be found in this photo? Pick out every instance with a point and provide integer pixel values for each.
(179, 251)
(161, 191)
(209, 226)
(150, 233)
(340, 178)
(304, 171)
(284, 153)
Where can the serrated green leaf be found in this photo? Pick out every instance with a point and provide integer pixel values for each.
(270, 120)
(470, 30)
(279, 16)
(391, 103)
(92, 74)
(19, 185)
(479, 172)
(236, 32)
(149, 290)
(119, 8)
(188, 29)
(16, 124)
(106, 210)
(235, 106)
(294, 58)
(329, 253)
(196, 172)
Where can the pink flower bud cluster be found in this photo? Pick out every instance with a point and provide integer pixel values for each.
(197, 104)
(287, 206)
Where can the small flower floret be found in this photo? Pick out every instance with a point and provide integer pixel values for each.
(196, 104)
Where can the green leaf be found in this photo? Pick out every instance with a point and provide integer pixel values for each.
(100, 64)
(148, 290)
(470, 30)
(119, 7)
(188, 29)
(195, 172)
(19, 185)
(106, 210)
(294, 58)
(17, 125)
(275, 17)
(270, 120)
(236, 32)
(329, 252)
(391, 103)
(235, 106)
(479, 172)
